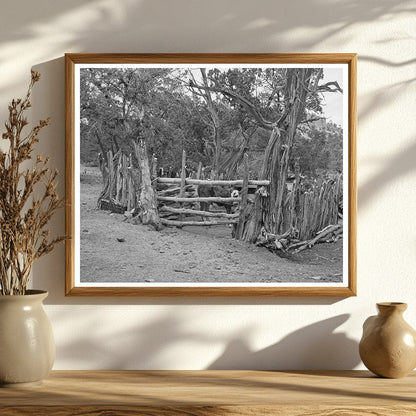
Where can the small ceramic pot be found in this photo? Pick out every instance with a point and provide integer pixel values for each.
(27, 347)
(388, 345)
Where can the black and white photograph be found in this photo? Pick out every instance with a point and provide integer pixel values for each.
(211, 175)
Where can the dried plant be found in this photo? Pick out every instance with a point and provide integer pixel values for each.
(28, 199)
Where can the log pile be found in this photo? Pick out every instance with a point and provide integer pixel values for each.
(287, 244)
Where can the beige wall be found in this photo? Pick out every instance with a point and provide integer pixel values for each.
(194, 333)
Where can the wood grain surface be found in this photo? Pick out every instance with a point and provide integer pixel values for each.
(203, 393)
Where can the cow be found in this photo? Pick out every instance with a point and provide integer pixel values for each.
(251, 192)
(212, 191)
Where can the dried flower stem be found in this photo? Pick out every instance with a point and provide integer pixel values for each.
(23, 237)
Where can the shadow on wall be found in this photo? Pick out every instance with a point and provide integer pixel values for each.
(314, 347)
(382, 97)
(396, 167)
(151, 23)
(152, 345)
(142, 347)
(53, 27)
(48, 101)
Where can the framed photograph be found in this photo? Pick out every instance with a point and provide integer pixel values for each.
(211, 174)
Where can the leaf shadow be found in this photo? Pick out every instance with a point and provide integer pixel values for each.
(313, 347)
(401, 164)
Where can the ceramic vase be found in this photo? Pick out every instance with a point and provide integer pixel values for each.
(388, 345)
(27, 347)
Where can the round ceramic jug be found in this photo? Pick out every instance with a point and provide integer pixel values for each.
(27, 347)
(388, 345)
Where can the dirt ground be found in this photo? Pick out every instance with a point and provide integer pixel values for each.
(191, 254)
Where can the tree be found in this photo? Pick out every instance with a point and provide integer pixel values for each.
(318, 149)
(278, 106)
(214, 118)
(217, 116)
(115, 103)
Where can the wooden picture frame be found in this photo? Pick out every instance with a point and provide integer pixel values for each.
(91, 80)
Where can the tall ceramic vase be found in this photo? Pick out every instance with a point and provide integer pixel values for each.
(388, 344)
(27, 347)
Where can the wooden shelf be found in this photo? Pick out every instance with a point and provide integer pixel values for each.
(203, 393)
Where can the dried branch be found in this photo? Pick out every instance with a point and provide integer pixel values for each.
(23, 218)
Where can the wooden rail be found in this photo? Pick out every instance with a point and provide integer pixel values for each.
(214, 218)
(197, 212)
(198, 199)
(179, 223)
(188, 181)
(173, 190)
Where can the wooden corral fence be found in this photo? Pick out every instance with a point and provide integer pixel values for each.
(309, 210)
(317, 207)
(179, 203)
(181, 197)
(312, 213)
(119, 192)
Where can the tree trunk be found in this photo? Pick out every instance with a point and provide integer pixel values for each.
(262, 213)
(215, 125)
(296, 91)
(147, 201)
(268, 212)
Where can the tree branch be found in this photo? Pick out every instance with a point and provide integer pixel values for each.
(327, 87)
(310, 120)
(266, 124)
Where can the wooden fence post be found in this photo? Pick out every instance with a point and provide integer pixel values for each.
(131, 194)
(183, 179)
(119, 177)
(110, 174)
(243, 204)
(124, 187)
(198, 173)
(154, 167)
(183, 174)
(148, 200)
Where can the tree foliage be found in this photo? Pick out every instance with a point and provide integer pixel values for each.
(236, 111)
(319, 149)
